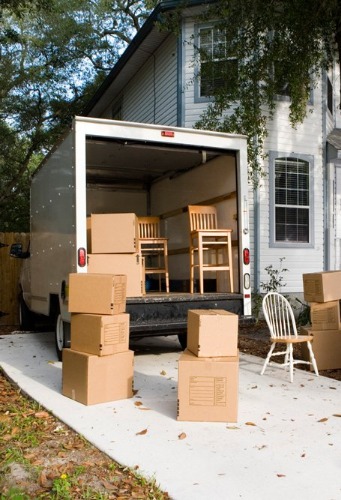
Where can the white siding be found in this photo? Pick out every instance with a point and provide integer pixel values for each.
(151, 96)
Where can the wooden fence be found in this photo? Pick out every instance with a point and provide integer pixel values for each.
(9, 278)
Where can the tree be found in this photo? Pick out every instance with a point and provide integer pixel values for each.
(53, 55)
(280, 45)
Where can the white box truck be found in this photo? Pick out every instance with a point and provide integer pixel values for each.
(106, 166)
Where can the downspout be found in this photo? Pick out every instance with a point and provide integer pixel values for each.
(180, 101)
(326, 228)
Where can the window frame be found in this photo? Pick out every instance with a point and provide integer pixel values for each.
(197, 82)
(273, 156)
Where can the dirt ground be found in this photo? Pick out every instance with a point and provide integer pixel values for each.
(40, 457)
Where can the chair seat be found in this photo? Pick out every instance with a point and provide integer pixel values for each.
(292, 340)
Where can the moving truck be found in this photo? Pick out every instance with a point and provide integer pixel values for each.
(112, 167)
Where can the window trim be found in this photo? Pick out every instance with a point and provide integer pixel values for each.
(197, 83)
(273, 155)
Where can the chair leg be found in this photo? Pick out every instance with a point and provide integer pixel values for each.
(201, 264)
(268, 358)
(312, 358)
(191, 268)
(229, 246)
(291, 362)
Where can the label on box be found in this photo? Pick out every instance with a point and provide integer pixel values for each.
(207, 391)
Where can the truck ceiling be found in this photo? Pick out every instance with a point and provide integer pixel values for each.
(137, 165)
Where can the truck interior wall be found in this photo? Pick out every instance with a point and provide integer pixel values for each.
(213, 182)
(107, 201)
(52, 225)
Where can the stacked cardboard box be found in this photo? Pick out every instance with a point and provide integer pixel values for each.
(208, 368)
(112, 241)
(323, 292)
(99, 366)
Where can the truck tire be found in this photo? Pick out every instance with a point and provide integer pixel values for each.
(26, 317)
(183, 340)
(62, 336)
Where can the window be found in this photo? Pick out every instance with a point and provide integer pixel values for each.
(291, 194)
(217, 69)
(329, 95)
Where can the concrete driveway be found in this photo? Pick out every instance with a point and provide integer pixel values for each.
(286, 444)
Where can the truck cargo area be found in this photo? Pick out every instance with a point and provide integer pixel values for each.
(111, 167)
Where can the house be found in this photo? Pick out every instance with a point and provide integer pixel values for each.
(298, 217)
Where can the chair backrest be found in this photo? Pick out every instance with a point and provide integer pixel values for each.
(202, 217)
(149, 227)
(279, 316)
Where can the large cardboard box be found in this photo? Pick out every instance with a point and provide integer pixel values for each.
(322, 287)
(91, 379)
(207, 388)
(132, 265)
(212, 332)
(100, 334)
(326, 345)
(326, 315)
(113, 233)
(97, 293)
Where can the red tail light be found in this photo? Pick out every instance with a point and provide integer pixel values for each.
(81, 257)
(246, 256)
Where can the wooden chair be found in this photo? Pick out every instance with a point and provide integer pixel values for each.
(206, 238)
(153, 248)
(280, 319)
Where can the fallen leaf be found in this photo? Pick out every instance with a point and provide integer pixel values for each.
(108, 486)
(303, 455)
(42, 414)
(250, 423)
(232, 427)
(144, 409)
(281, 475)
(334, 388)
(138, 403)
(183, 435)
(142, 433)
(163, 372)
(337, 415)
(323, 419)
(43, 481)
(254, 387)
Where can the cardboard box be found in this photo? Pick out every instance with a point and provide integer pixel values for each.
(322, 287)
(326, 345)
(326, 315)
(100, 335)
(114, 233)
(91, 379)
(207, 388)
(212, 332)
(132, 265)
(97, 293)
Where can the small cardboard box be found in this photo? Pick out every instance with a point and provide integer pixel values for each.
(91, 379)
(98, 334)
(322, 287)
(326, 315)
(97, 293)
(113, 233)
(326, 345)
(207, 388)
(212, 332)
(132, 265)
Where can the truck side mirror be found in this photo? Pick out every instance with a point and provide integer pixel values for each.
(17, 251)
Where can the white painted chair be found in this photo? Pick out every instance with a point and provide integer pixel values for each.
(281, 321)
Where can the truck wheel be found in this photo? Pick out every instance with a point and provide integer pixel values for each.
(183, 340)
(62, 336)
(26, 317)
